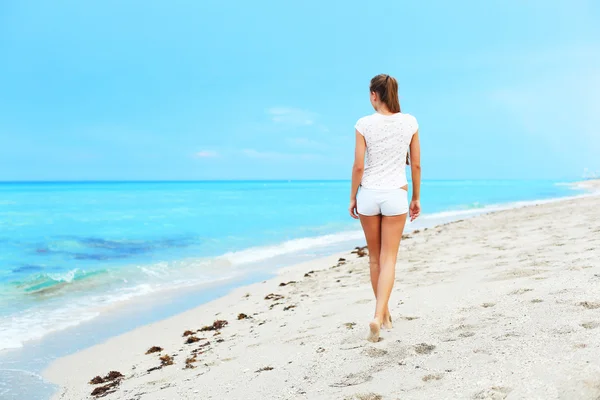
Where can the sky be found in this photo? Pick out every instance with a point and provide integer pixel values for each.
(195, 90)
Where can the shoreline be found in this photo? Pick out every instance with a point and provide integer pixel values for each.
(57, 370)
(289, 259)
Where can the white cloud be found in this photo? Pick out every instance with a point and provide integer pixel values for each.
(206, 154)
(291, 116)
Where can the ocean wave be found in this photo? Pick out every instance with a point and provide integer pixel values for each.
(44, 283)
(256, 254)
(35, 323)
(15, 330)
(55, 283)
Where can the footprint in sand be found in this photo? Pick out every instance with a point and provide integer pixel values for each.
(590, 305)
(506, 336)
(375, 353)
(366, 396)
(520, 291)
(517, 273)
(353, 380)
(591, 325)
(432, 377)
(488, 305)
(493, 393)
(462, 327)
(563, 330)
(424, 348)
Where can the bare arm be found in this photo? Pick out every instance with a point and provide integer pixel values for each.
(415, 166)
(357, 171)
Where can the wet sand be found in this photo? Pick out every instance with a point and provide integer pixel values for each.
(501, 306)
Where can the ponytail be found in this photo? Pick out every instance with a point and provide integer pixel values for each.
(387, 88)
(391, 98)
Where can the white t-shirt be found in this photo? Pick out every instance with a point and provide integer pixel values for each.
(388, 138)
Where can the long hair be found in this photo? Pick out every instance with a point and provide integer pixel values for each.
(386, 87)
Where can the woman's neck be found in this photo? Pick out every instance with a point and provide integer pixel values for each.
(383, 110)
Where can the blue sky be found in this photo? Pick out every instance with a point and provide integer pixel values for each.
(271, 89)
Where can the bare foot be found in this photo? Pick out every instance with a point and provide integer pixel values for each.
(374, 328)
(387, 322)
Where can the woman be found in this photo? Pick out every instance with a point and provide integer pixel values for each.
(381, 203)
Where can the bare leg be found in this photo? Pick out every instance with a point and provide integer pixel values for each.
(372, 228)
(391, 234)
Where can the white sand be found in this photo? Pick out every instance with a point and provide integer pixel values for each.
(504, 305)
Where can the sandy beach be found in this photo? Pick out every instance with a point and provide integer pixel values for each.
(500, 306)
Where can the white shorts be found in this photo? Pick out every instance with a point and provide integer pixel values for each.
(388, 202)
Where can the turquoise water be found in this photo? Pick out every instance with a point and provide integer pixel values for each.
(69, 250)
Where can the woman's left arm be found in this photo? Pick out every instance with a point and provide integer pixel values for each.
(357, 171)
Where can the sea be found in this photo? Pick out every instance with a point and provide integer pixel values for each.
(75, 255)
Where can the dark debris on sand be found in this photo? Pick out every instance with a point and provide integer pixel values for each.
(200, 348)
(287, 283)
(102, 391)
(188, 333)
(189, 362)
(97, 380)
(264, 369)
(341, 261)
(112, 380)
(289, 307)
(309, 274)
(111, 376)
(218, 324)
(192, 339)
(243, 316)
(154, 349)
(360, 251)
(166, 360)
(274, 297)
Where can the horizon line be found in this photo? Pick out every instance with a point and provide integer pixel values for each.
(267, 180)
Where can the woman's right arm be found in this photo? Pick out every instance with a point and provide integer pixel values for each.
(415, 166)
(357, 171)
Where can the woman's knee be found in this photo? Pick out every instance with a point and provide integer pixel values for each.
(374, 263)
(387, 263)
